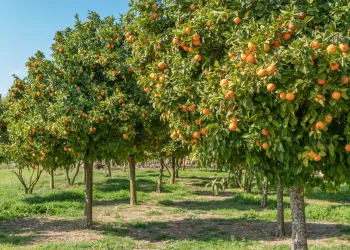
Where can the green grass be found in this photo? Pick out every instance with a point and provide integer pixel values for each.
(185, 216)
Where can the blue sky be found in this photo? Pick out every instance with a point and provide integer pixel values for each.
(30, 25)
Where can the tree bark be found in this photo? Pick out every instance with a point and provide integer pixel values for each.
(67, 177)
(132, 166)
(280, 232)
(299, 237)
(52, 179)
(177, 166)
(107, 169)
(84, 175)
(264, 193)
(172, 170)
(160, 177)
(88, 166)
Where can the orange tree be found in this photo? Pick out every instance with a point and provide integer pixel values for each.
(98, 94)
(273, 73)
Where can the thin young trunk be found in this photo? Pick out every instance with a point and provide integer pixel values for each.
(184, 164)
(52, 179)
(124, 167)
(172, 170)
(113, 163)
(76, 173)
(299, 238)
(107, 169)
(264, 193)
(160, 177)
(67, 177)
(177, 168)
(280, 232)
(88, 194)
(132, 166)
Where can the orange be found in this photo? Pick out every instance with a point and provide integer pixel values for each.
(154, 16)
(196, 37)
(147, 89)
(317, 158)
(198, 58)
(271, 69)
(290, 96)
(318, 98)
(331, 48)
(334, 66)
(266, 47)
(344, 47)
(188, 30)
(302, 15)
(261, 72)
(286, 36)
(283, 95)
(172, 136)
(291, 26)
(155, 6)
(345, 80)
(206, 111)
(328, 118)
(197, 122)
(192, 108)
(265, 132)
(271, 87)
(230, 54)
(311, 154)
(244, 56)
(250, 59)
(347, 147)
(313, 57)
(319, 125)
(161, 65)
(204, 131)
(276, 43)
(230, 94)
(237, 20)
(183, 108)
(336, 95)
(232, 126)
(196, 42)
(265, 146)
(224, 83)
(257, 143)
(196, 134)
(315, 45)
(251, 47)
(321, 81)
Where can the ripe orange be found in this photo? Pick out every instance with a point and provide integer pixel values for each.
(206, 111)
(237, 20)
(155, 6)
(198, 58)
(147, 89)
(265, 146)
(261, 72)
(344, 47)
(265, 132)
(283, 95)
(257, 143)
(271, 69)
(183, 108)
(318, 98)
(334, 66)
(196, 37)
(230, 54)
(197, 122)
(321, 81)
(224, 83)
(302, 15)
(315, 45)
(196, 134)
(345, 80)
(190, 49)
(161, 65)
(266, 47)
(313, 57)
(328, 118)
(188, 30)
(251, 47)
(244, 56)
(290, 96)
(154, 16)
(317, 158)
(197, 42)
(250, 59)
(336, 95)
(331, 48)
(204, 131)
(230, 94)
(125, 136)
(286, 36)
(233, 126)
(276, 43)
(271, 87)
(347, 147)
(311, 154)
(319, 125)
(291, 26)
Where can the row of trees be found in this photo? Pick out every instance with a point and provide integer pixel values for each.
(253, 85)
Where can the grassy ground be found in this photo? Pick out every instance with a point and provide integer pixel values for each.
(186, 216)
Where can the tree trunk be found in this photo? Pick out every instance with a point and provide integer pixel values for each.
(107, 169)
(84, 175)
(264, 193)
(177, 166)
(67, 177)
(280, 232)
(160, 177)
(88, 166)
(75, 174)
(52, 179)
(124, 167)
(172, 170)
(299, 238)
(113, 163)
(184, 164)
(132, 166)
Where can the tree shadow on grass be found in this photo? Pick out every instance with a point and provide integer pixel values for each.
(213, 229)
(341, 196)
(117, 184)
(56, 196)
(235, 202)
